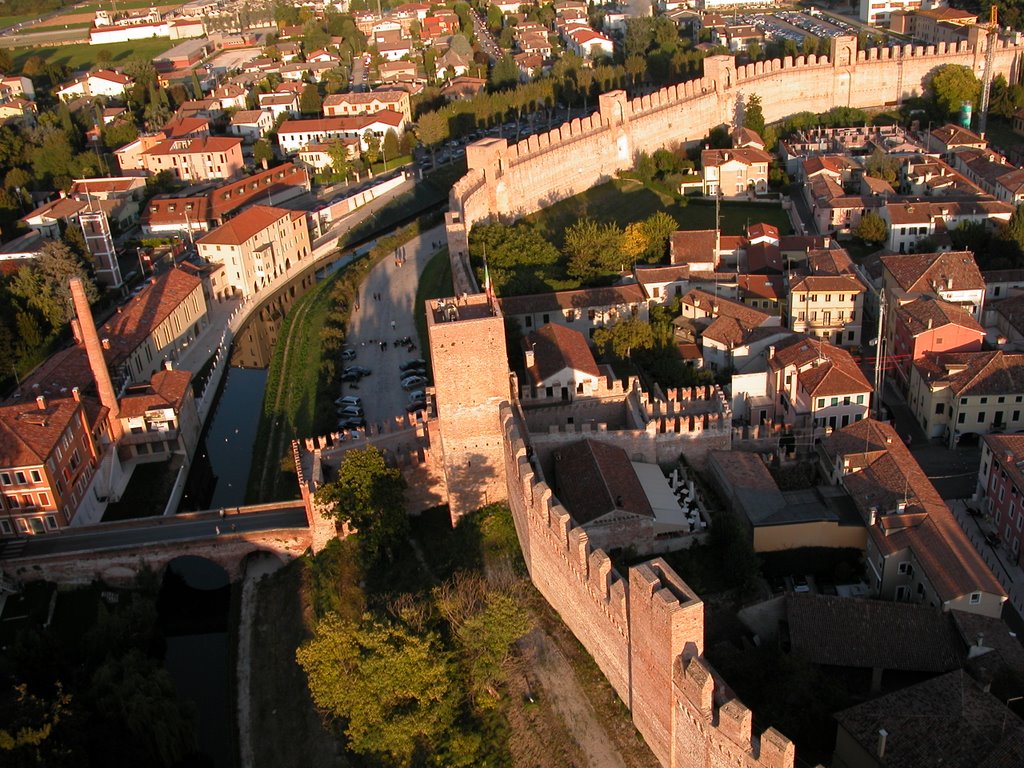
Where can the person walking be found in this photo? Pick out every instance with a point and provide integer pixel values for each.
(392, 325)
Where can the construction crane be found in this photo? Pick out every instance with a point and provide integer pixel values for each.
(990, 60)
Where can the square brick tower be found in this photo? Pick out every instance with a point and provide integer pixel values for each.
(471, 381)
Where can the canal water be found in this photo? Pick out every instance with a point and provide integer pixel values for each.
(193, 611)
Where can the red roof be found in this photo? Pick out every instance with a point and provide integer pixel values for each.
(29, 433)
(247, 225)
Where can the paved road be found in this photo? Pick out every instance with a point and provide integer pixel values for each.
(382, 394)
(158, 531)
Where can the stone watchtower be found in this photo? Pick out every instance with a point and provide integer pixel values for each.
(471, 381)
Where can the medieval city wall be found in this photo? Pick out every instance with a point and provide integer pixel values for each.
(646, 634)
(512, 181)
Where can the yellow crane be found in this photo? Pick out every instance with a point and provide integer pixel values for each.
(990, 60)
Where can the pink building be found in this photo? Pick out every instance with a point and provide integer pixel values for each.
(1001, 488)
(931, 325)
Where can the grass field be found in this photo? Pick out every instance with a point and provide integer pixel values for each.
(83, 55)
(626, 201)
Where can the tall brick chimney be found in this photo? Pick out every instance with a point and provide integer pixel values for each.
(94, 349)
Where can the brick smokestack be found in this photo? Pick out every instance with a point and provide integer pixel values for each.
(94, 349)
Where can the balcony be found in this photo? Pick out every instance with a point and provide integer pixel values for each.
(152, 436)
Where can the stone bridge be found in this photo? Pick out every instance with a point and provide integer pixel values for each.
(115, 553)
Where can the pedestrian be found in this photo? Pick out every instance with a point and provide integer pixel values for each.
(216, 528)
(392, 325)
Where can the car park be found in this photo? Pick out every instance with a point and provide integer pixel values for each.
(413, 382)
(417, 363)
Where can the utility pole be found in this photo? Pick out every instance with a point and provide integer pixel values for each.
(880, 355)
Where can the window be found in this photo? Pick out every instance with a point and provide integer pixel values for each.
(975, 598)
(821, 401)
(860, 399)
(984, 400)
(960, 418)
(906, 569)
(939, 409)
(835, 401)
(36, 477)
(5, 528)
(44, 500)
(19, 477)
(5, 478)
(981, 416)
(51, 522)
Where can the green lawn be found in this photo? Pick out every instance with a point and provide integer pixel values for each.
(435, 283)
(83, 55)
(626, 201)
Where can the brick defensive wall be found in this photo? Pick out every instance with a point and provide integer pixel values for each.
(645, 631)
(510, 181)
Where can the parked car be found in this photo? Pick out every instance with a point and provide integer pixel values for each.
(993, 539)
(351, 377)
(413, 382)
(352, 422)
(349, 400)
(417, 394)
(410, 364)
(348, 354)
(800, 584)
(416, 405)
(350, 410)
(357, 369)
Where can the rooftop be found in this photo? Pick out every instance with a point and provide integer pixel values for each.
(593, 479)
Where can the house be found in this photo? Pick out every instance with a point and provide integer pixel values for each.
(184, 55)
(450, 64)
(764, 292)
(815, 385)
(344, 104)
(255, 247)
(396, 71)
(952, 276)
(159, 418)
(17, 85)
(193, 211)
(955, 394)
(591, 308)
(828, 302)
(697, 249)
(916, 550)
(735, 172)
(558, 358)
(775, 520)
(589, 44)
(186, 128)
(950, 137)
(322, 56)
(728, 332)
(231, 96)
(48, 457)
(18, 112)
(950, 715)
(317, 157)
(990, 171)
(280, 104)
(102, 82)
(910, 222)
(1007, 316)
(52, 219)
(463, 87)
(929, 324)
(1001, 488)
(293, 135)
(251, 124)
(601, 491)
(198, 159)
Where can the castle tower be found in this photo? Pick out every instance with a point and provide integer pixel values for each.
(471, 381)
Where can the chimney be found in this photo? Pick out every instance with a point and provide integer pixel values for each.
(872, 515)
(882, 736)
(94, 350)
(530, 355)
(929, 323)
(949, 283)
(106, 343)
(76, 331)
(77, 394)
(168, 365)
(41, 402)
(771, 351)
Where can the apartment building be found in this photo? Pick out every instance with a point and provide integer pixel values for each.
(916, 551)
(254, 247)
(829, 307)
(961, 395)
(910, 222)
(735, 172)
(294, 135)
(196, 159)
(159, 418)
(952, 276)
(1001, 488)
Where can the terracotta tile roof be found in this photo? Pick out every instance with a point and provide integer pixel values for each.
(994, 634)
(364, 98)
(343, 123)
(947, 721)
(195, 146)
(28, 434)
(247, 116)
(953, 135)
(801, 243)
(1012, 309)
(968, 374)
(928, 272)
(687, 247)
(823, 370)
(137, 319)
(749, 486)
(835, 283)
(712, 158)
(849, 632)
(884, 479)
(761, 286)
(181, 127)
(823, 164)
(715, 306)
(585, 298)
(555, 348)
(764, 257)
(928, 313)
(830, 261)
(247, 225)
(761, 229)
(166, 389)
(593, 479)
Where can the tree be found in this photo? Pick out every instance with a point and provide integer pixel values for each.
(658, 228)
(393, 688)
(953, 85)
(623, 337)
(634, 242)
(883, 166)
(368, 495)
(460, 45)
(119, 133)
(372, 142)
(310, 102)
(53, 158)
(872, 228)
(432, 129)
(753, 116)
(43, 283)
(504, 74)
(594, 250)
(340, 162)
(263, 153)
(1013, 232)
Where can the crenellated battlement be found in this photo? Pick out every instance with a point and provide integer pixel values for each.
(602, 388)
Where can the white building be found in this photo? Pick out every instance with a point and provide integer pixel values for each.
(293, 135)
